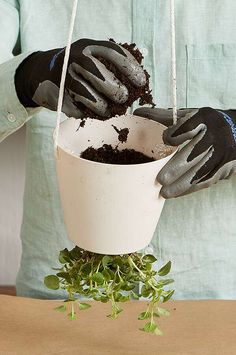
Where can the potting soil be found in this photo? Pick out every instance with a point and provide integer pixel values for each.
(142, 93)
(108, 154)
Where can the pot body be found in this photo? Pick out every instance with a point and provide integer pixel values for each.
(110, 209)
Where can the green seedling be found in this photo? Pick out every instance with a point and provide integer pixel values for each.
(112, 278)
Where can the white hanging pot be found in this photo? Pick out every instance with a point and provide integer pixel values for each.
(110, 209)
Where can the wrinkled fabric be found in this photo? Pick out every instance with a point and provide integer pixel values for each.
(196, 232)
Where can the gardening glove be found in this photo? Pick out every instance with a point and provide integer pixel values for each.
(208, 154)
(88, 81)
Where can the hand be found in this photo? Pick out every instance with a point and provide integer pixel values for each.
(209, 152)
(88, 81)
(161, 115)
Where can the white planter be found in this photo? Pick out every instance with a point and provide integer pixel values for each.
(110, 209)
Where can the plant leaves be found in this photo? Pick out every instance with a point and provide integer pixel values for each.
(112, 316)
(148, 266)
(149, 258)
(106, 260)
(144, 315)
(149, 327)
(72, 316)
(83, 306)
(153, 273)
(83, 270)
(117, 287)
(97, 297)
(165, 269)
(64, 256)
(135, 296)
(71, 298)
(117, 296)
(106, 275)
(75, 253)
(60, 308)
(158, 331)
(124, 298)
(86, 269)
(104, 299)
(112, 274)
(76, 284)
(115, 314)
(128, 287)
(164, 282)
(52, 282)
(98, 277)
(118, 261)
(65, 276)
(145, 291)
(163, 311)
(156, 315)
(168, 295)
(94, 292)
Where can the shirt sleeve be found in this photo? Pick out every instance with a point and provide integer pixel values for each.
(13, 114)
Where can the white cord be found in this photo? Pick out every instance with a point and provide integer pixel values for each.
(173, 61)
(63, 75)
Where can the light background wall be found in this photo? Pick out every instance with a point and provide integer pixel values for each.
(12, 175)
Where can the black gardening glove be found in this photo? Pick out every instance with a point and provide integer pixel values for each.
(88, 81)
(209, 151)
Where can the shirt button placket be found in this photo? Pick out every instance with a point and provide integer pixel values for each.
(11, 118)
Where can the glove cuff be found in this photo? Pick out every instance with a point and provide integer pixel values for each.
(23, 81)
(35, 69)
(231, 113)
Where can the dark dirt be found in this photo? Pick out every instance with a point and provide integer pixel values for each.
(122, 134)
(82, 123)
(142, 93)
(107, 154)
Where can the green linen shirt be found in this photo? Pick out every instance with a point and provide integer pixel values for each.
(196, 232)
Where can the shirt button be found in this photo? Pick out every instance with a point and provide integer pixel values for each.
(11, 117)
(148, 250)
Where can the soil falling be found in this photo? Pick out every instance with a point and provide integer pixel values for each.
(122, 133)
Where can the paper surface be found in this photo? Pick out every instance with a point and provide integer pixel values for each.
(32, 327)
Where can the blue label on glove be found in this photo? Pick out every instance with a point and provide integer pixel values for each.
(231, 123)
(51, 65)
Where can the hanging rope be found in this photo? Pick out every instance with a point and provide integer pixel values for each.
(173, 61)
(63, 75)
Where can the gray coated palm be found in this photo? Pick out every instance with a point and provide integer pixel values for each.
(88, 81)
(207, 148)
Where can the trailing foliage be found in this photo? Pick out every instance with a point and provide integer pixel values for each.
(111, 278)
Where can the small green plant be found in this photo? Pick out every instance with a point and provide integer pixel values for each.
(111, 278)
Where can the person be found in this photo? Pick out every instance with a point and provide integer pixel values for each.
(196, 230)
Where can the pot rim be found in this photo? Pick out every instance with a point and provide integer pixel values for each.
(69, 152)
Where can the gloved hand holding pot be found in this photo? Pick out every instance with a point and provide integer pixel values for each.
(208, 148)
